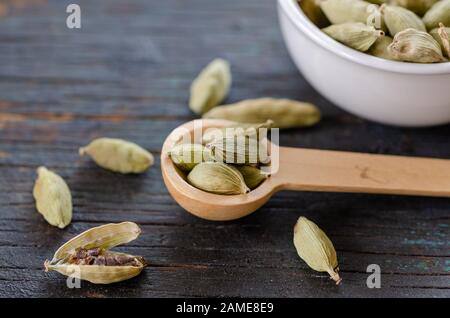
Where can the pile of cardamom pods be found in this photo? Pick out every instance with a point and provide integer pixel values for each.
(415, 31)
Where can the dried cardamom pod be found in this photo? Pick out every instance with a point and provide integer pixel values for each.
(217, 177)
(284, 113)
(88, 256)
(356, 35)
(415, 46)
(238, 129)
(419, 7)
(252, 175)
(344, 11)
(210, 87)
(53, 198)
(313, 11)
(380, 48)
(315, 248)
(380, 2)
(438, 13)
(398, 19)
(442, 36)
(239, 150)
(187, 156)
(118, 155)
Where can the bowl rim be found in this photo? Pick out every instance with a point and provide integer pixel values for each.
(292, 10)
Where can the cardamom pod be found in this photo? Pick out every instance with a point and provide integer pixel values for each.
(284, 113)
(239, 150)
(238, 129)
(380, 48)
(217, 177)
(398, 19)
(313, 11)
(416, 46)
(210, 87)
(53, 198)
(253, 176)
(88, 256)
(356, 35)
(419, 7)
(187, 156)
(315, 248)
(118, 155)
(438, 13)
(442, 36)
(344, 11)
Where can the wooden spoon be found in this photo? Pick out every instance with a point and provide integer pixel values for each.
(306, 170)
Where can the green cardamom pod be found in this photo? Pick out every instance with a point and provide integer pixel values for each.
(253, 176)
(415, 46)
(380, 48)
(187, 156)
(284, 113)
(315, 248)
(118, 155)
(398, 19)
(210, 87)
(419, 7)
(87, 256)
(217, 177)
(438, 13)
(344, 11)
(237, 129)
(239, 150)
(53, 198)
(313, 11)
(358, 36)
(442, 36)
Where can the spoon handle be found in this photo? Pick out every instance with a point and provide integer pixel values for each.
(335, 171)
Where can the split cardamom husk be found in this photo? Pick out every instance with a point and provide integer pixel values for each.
(313, 11)
(284, 113)
(210, 87)
(253, 176)
(356, 35)
(415, 46)
(218, 178)
(315, 248)
(187, 156)
(239, 150)
(345, 11)
(438, 13)
(88, 256)
(259, 131)
(380, 48)
(118, 155)
(442, 36)
(419, 7)
(398, 19)
(53, 198)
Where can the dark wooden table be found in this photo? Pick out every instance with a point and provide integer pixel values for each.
(126, 74)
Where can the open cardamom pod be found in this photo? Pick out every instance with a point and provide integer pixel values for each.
(358, 36)
(187, 156)
(284, 113)
(380, 48)
(419, 7)
(253, 176)
(442, 36)
(398, 19)
(53, 198)
(217, 177)
(118, 155)
(259, 131)
(416, 46)
(88, 256)
(315, 248)
(210, 87)
(438, 13)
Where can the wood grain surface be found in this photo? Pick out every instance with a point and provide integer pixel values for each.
(126, 73)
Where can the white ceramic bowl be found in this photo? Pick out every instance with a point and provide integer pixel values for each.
(389, 92)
